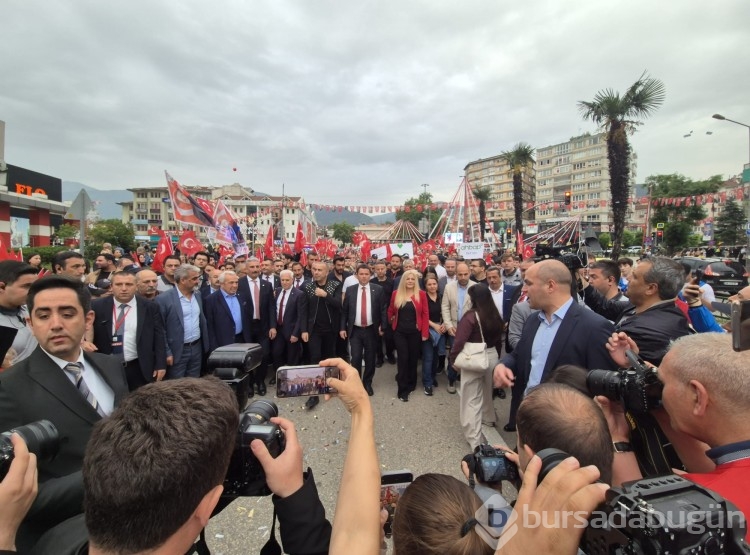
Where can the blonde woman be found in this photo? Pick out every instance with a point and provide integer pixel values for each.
(409, 316)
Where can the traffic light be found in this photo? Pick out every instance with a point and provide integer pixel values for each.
(509, 232)
(660, 234)
(653, 235)
(567, 198)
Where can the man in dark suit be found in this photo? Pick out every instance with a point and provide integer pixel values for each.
(227, 314)
(185, 345)
(268, 275)
(563, 332)
(291, 321)
(262, 316)
(299, 275)
(132, 329)
(363, 317)
(60, 383)
(502, 296)
(385, 342)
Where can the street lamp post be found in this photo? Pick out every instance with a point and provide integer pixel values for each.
(747, 250)
(429, 214)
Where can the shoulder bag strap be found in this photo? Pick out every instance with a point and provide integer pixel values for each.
(476, 314)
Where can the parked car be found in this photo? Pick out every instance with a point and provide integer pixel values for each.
(726, 277)
(634, 250)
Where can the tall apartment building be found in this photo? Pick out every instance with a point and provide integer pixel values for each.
(151, 209)
(495, 174)
(580, 166)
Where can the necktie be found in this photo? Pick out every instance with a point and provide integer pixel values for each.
(296, 284)
(522, 298)
(120, 329)
(75, 369)
(280, 319)
(256, 300)
(363, 308)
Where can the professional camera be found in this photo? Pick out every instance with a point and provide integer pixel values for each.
(233, 364)
(245, 476)
(41, 438)
(664, 514)
(490, 466)
(638, 387)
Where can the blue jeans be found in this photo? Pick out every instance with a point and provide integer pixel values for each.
(430, 355)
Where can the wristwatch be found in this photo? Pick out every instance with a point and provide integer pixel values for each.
(622, 447)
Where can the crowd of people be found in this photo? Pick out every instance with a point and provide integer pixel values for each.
(88, 350)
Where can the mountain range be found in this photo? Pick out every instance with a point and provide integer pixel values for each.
(107, 207)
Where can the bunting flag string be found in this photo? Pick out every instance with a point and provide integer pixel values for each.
(738, 194)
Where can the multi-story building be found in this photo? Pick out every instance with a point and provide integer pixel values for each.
(151, 210)
(579, 166)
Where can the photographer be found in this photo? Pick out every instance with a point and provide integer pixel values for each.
(17, 492)
(706, 396)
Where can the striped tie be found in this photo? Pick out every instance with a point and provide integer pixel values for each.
(75, 369)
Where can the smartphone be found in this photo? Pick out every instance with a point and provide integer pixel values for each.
(392, 486)
(697, 276)
(299, 381)
(741, 325)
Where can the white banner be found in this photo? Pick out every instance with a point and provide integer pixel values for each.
(471, 251)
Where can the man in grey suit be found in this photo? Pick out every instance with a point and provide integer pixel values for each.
(184, 324)
(60, 383)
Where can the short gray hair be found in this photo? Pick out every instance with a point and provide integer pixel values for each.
(289, 273)
(183, 270)
(667, 274)
(224, 274)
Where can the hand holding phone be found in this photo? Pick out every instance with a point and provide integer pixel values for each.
(298, 381)
(741, 325)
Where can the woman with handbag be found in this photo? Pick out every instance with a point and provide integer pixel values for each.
(431, 347)
(475, 352)
(409, 318)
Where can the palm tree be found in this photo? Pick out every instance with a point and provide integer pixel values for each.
(482, 194)
(619, 116)
(518, 159)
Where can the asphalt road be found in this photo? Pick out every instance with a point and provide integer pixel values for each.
(422, 435)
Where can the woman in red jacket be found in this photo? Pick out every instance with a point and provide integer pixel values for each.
(409, 316)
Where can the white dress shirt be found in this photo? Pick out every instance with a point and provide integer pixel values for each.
(129, 347)
(99, 388)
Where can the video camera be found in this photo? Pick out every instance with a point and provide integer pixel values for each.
(664, 514)
(638, 387)
(233, 364)
(41, 438)
(490, 466)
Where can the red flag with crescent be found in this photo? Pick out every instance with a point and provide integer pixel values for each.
(268, 248)
(163, 250)
(189, 244)
(299, 240)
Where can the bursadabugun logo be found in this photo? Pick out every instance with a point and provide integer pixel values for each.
(496, 521)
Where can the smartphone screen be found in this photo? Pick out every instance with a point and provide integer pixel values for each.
(392, 486)
(741, 325)
(299, 381)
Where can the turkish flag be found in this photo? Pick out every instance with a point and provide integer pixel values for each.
(303, 258)
(189, 244)
(286, 249)
(299, 240)
(268, 249)
(528, 252)
(365, 248)
(163, 249)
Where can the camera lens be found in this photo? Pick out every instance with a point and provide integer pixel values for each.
(261, 411)
(604, 382)
(41, 438)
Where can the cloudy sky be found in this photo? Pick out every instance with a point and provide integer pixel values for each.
(356, 102)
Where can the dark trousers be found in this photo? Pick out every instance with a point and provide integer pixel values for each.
(515, 402)
(363, 342)
(385, 342)
(322, 345)
(408, 347)
(285, 353)
(134, 375)
(260, 336)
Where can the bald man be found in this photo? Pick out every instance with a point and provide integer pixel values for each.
(562, 332)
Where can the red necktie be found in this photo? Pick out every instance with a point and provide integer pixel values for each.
(522, 298)
(364, 307)
(280, 319)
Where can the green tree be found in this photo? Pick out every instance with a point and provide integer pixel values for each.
(414, 215)
(482, 194)
(66, 231)
(678, 219)
(619, 115)
(604, 240)
(343, 231)
(730, 225)
(109, 231)
(518, 159)
(632, 238)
